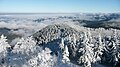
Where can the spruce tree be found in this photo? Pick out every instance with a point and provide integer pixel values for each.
(65, 55)
(3, 48)
(87, 57)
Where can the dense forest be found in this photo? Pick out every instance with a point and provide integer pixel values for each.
(62, 46)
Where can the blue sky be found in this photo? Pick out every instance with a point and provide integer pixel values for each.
(56, 6)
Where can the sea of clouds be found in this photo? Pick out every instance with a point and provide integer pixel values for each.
(26, 25)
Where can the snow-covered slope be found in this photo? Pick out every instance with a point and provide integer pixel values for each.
(51, 36)
(56, 31)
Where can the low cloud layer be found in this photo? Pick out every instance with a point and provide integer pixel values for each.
(26, 25)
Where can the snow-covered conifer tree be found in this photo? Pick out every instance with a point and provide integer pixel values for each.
(25, 49)
(74, 39)
(3, 48)
(25, 45)
(69, 38)
(3, 43)
(65, 55)
(111, 52)
(115, 37)
(99, 49)
(43, 59)
(73, 44)
(87, 57)
(62, 44)
(89, 35)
